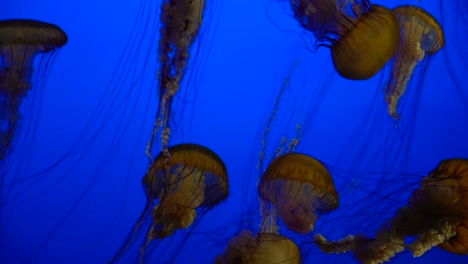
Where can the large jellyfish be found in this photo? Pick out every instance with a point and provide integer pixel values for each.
(193, 177)
(264, 248)
(180, 22)
(420, 34)
(299, 188)
(436, 215)
(20, 40)
(362, 37)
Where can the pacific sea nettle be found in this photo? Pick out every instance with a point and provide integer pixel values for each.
(436, 215)
(20, 41)
(420, 34)
(362, 37)
(192, 177)
(300, 188)
(186, 181)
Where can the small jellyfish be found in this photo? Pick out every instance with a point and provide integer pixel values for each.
(362, 37)
(193, 177)
(300, 188)
(420, 34)
(436, 215)
(20, 41)
(265, 248)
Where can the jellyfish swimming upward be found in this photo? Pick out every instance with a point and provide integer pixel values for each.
(192, 178)
(436, 215)
(362, 37)
(20, 41)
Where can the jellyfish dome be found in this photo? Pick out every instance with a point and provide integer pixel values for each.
(363, 37)
(300, 187)
(20, 40)
(264, 248)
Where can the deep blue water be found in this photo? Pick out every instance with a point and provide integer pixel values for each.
(72, 189)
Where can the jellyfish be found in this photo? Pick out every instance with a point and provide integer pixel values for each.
(300, 188)
(193, 178)
(264, 248)
(180, 23)
(362, 37)
(420, 35)
(436, 215)
(20, 41)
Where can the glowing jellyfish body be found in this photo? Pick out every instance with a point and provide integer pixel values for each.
(420, 34)
(300, 188)
(193, 177)
(180, 23)
(436, 215)
(20, 40)
(265, 248)
(363, 37)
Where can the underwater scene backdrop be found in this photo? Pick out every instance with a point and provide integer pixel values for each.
(256, 84)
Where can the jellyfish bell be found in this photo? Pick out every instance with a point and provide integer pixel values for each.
(20, 40)
(362, 37)
(362, 51)
(420, 35)
(263, 248)
(300, 188)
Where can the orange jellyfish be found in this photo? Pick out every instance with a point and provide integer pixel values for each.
(436, 215)
(20, 41)
(180, 23)
(420, 34)
(193, 178)
(362, 37)
(264, 248)
(299, 188)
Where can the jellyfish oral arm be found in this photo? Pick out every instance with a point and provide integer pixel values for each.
(178, 201)
(403, 67)
(15, 80)
(295, 216)
(296, 205)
